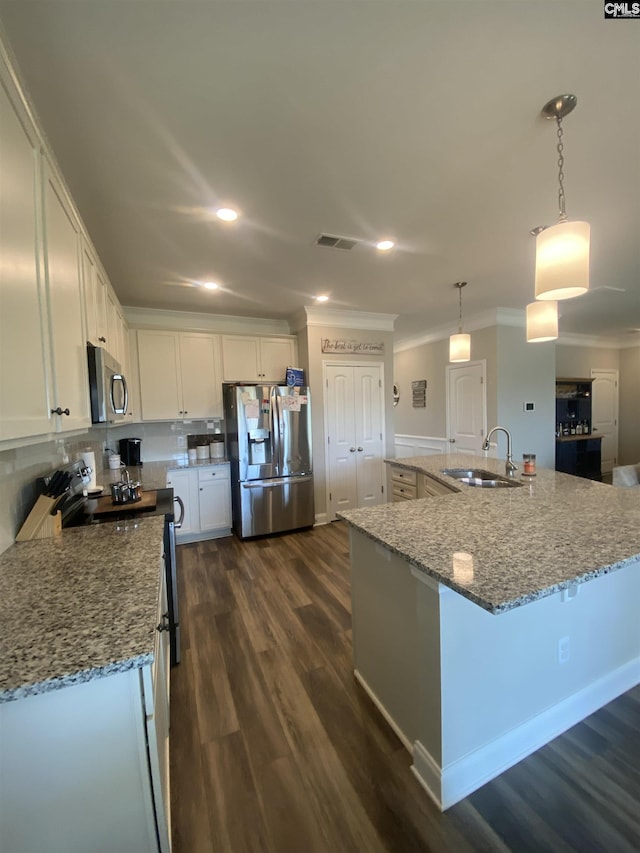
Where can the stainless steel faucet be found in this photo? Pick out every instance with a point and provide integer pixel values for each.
(510, 466)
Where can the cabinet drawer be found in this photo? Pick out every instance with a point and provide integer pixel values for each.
(219, 472)
(403, 475)
(404, 491)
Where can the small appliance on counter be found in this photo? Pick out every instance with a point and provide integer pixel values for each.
(131, 451)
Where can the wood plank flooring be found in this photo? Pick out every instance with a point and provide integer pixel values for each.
(276, 748)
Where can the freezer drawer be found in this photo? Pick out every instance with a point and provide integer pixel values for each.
(273, 506)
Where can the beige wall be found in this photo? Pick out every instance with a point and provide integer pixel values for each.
(315, 359)
(516, 372)
(629, 420)
(576, 362)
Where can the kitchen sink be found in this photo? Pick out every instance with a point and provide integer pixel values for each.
(480, 478)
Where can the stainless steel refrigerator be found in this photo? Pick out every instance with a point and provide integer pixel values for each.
(268, 436)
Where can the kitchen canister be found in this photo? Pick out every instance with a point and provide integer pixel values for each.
(202, 452)
(216, 449)
(192, 453)
(114, 461)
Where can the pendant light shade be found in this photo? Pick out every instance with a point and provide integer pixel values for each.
(542, 321)
(460, 344)
(460, 347)
(562, 260)
(562, 251)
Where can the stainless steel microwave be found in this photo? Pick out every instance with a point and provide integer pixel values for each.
(107, 387)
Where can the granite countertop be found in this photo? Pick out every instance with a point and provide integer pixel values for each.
(79, 606)
(525, 543)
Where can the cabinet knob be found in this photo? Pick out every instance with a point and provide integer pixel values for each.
(60, 411)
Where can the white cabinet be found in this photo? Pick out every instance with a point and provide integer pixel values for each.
(249, 359)
(214, 499)
(24, 403)
(95, 288)
(179, 375)
(408, 484)
(85, 767)
(206, 493)
(70, 398)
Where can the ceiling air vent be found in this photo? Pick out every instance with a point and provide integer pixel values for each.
(332, 242)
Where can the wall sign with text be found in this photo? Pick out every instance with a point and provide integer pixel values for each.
(340, 345)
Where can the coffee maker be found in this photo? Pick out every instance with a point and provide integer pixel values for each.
(130, 451)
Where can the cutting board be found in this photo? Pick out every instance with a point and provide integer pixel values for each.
(104, 505)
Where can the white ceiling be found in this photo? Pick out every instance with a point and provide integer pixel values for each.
(406, 118)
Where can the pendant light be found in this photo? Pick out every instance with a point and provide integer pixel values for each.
(562, 250)
(542, 321)
(460, 344)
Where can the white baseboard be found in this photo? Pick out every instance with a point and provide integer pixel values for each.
(448, 785)
(405, 740)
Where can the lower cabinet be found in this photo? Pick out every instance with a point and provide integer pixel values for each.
(580, 457)
(407, 484)
(86, 768)
(206, 494)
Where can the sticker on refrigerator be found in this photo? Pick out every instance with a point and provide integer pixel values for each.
(251, 408)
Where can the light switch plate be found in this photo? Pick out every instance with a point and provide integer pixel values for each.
(528, 407)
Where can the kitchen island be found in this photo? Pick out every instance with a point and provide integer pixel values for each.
(84, 702)
(488, 621)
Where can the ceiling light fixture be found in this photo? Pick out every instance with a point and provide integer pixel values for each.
(322, 298)
(562, 250)
(210, 285)
(385, 245)
(227, 214)
(542, 321)
(460, 344)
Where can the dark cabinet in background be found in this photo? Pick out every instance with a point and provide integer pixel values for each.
(578, 451)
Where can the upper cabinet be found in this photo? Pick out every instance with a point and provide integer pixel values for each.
(179, 375)
(70, 398)
(24, 403)
(95, 289)
(249, 359)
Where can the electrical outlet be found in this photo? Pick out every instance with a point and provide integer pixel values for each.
(564, 650)
(182, 442)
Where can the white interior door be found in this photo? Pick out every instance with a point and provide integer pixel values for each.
(369, 415)
(341, 446)
(466, 407)
(354, 419)
(604, 414)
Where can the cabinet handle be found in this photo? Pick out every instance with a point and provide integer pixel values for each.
(104, 340)
(164, 625)
(60, 411)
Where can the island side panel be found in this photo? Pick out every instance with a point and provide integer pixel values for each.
(505, 691)
(385, 633)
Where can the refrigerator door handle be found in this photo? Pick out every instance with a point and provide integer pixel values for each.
(278, 481)
(275, 428)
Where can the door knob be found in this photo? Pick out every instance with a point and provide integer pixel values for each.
(360, 449)
(452, 441)
(352, 450)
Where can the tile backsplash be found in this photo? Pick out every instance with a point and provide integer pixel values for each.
(20, 467)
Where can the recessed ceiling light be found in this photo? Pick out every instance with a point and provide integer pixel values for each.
(210, 285)
(385, 245)
(321, 298)
(226, 214)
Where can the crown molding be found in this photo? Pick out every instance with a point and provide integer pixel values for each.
(484, 320)
(598, 341)
(190, 321)
(312, 315)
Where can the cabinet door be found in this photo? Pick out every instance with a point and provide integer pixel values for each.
(24, 408)
(132, 377)
(241, 358)
(276, 354)
(215, 498)
(158, 357)
(185, 485)
(114, 331)
(64, 288)
(201, 386)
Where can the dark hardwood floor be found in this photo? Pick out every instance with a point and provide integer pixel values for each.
(275, 747)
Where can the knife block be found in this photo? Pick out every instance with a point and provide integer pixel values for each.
(40, 523)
